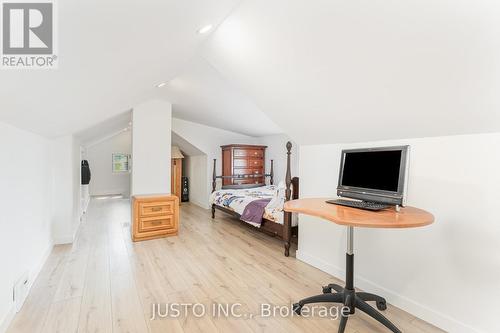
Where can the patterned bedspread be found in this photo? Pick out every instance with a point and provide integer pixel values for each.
(238, 199)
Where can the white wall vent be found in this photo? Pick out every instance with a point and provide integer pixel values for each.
(21, 289)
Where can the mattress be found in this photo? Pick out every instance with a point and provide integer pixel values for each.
(238, 199)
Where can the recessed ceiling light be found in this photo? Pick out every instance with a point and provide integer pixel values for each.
(160, 85)
(205, 29)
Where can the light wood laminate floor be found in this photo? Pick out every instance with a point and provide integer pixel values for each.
(106, 283)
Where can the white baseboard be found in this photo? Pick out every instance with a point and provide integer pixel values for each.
(63, 239)
(202, 205)
(38, 268)
(423, 312)
(108, 192)
(77, 229)
(6, 321)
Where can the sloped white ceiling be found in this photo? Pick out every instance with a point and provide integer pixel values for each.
(319, 70)
(345, 71)
(104, 129)
(112, 53)
(185, 146)
(202, 95)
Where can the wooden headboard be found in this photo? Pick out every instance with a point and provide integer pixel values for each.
(215, 177)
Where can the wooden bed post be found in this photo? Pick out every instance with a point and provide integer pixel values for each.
(287, 232)
(214, 185)
(271, 180)
(214, 177)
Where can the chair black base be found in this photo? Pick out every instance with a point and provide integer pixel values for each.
(351, 299)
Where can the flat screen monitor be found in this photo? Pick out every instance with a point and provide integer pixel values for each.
(374, 174)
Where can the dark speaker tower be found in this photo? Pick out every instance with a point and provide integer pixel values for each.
(185, 189)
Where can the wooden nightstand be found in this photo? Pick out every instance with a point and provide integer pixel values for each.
(154, 216)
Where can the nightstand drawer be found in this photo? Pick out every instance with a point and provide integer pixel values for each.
(156, 208)
(154, 216)
(156, 223)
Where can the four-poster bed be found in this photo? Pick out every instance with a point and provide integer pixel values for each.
(258, 205)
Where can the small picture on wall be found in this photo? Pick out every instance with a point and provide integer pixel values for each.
(120, 162)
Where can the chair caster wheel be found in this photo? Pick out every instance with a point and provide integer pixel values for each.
(382, 306)
(297, 308)
(327, 290)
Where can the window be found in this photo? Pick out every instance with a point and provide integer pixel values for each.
(121, 162)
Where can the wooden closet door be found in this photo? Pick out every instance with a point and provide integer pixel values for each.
(176, 179)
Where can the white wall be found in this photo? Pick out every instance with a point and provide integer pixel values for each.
(276, 150)
(195, 169)
(446, 273)
(65, 172)
(208, 140)
(99, 155)
(77, 187)
(151, 148)
(84, 189)
(25, 202)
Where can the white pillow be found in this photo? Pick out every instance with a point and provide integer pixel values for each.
(278, 200)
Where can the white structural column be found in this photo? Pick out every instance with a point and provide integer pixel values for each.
(151, 148)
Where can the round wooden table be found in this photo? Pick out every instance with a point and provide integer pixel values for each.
(406, 217)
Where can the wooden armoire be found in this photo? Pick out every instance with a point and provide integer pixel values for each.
(243, 160)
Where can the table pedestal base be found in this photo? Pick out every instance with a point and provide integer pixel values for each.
(334, 293)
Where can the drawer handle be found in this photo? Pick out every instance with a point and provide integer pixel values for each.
(156, 222)
(156, 209)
